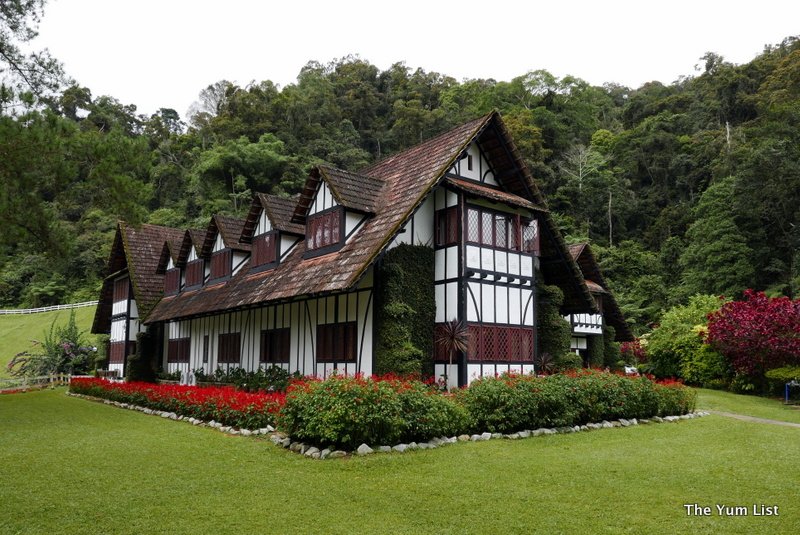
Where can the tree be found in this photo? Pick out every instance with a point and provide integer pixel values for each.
(757, 334)
(717, 259)
(675, 343)
(453, 338)
(36, 72)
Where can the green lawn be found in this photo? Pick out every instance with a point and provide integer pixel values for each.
(17, 330)
(74, 466)
(749, 405)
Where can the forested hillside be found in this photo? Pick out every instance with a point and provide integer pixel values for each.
(687, 188)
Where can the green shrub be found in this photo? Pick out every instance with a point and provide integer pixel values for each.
(611, 348)
(675, 399)
(569, 361)
(678, 337)
(142, 364)
(778, 377)
(554, 332)
(705, 367)
(348, 411)
(595, 349)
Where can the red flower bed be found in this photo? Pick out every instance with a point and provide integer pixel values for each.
(224, 404)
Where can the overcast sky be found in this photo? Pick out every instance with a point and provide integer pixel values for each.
(161, 53)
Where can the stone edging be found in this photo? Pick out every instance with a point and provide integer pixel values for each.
(280, 439)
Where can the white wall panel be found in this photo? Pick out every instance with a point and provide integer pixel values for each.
(501, 298)
(452, 300)
(526, 266)
(438, 293)
(118, 330)
(513, 263)
(438, 264)
(452, 262)
(473, 301)
(514, 306)
(263, 224)
(487, 303)
(527, 304)
(219, 244)
(473, 257)
(351, 221)
(487, 259)
(423, 223)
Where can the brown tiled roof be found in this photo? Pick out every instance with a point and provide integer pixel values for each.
(137, 249)
(409, 177)
(583, 256)
(191, 238)
(354, 191)
(171, 250)
(479, 190)
(230, 228)
(279, 212)
(405, 180)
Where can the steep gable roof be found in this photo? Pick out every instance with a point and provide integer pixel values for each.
(279, 212)
(583, 256)
(191, 238)
(170, 251)
(229, 228)
(355, 191)
(137, 250)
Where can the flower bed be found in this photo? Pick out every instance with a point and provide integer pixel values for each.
(225, 405)
(344, 412)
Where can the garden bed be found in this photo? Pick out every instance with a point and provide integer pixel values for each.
(350, 413)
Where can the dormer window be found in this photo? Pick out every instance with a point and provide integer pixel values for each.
(194, 273)
(324, 230)
(265, 249)
(221, 263)
(172, 281)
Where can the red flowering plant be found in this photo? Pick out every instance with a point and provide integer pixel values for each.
(224, 404)
(756, 334)
(633, 352)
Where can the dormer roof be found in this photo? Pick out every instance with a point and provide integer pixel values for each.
(354, 191)
(191, 238)
(279, 211)
(170, 251)
(229, 228)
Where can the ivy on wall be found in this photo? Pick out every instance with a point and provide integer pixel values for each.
(405, 308)
(553, 330)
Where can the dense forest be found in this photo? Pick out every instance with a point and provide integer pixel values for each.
(692, 187)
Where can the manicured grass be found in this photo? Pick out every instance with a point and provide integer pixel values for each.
(17, 330)
(74, 466)
(748, 405)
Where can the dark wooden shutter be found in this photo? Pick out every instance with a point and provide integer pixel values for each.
(195, 273)
(172, 281)
(229, 348)
(121, 289)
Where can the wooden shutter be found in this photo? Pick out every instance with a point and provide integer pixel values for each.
(172, 281)
(121, 289)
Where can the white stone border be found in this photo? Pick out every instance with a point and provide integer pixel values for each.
(280, 439)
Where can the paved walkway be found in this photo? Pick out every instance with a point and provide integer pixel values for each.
(754, 419)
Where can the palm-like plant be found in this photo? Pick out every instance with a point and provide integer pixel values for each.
(452, 336)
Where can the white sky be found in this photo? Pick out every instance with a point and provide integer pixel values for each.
(162, 53)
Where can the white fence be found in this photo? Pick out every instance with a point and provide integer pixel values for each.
(27, 382)
(47, 309)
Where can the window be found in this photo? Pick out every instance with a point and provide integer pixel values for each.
(446, 227)
(275, 346)
(336, 342)
(205, 349)
(221, 264)
(502, 231)
(265, 249)
(178, 350)
(118, 350)
(121, 289)
(195, 272)
(172, 281)
(500, 343)
(228, 349)
(323, 229)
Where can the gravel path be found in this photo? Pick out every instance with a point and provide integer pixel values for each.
(754, 419)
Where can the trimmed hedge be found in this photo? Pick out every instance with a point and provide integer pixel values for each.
(348, 411)
(514, 402)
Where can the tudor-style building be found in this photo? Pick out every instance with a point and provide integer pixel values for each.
(292, 284)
